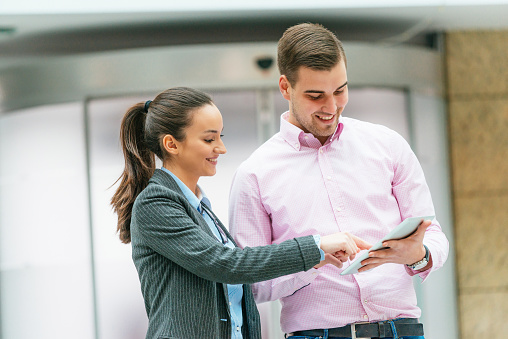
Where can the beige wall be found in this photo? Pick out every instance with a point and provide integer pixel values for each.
(477, 88)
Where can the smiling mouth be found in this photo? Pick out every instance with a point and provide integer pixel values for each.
(213, 161)
(325, 117)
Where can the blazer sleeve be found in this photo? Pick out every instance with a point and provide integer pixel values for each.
(162, 220)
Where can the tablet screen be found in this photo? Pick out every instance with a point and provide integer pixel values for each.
(404, 229)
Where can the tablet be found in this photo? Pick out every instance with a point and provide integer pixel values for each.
(402, 230)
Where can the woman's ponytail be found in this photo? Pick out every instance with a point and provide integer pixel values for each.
(141, 132)
(139, 168)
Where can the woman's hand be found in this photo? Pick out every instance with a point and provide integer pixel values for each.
(339, 247)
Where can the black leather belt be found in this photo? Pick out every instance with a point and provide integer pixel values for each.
(382, 329)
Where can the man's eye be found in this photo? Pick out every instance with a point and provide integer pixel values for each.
(314, 98)
(209, 140)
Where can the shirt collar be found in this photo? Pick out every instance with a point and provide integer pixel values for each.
(298, 138)
(189, 195)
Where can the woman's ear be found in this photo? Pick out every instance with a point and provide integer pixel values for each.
(170, 144)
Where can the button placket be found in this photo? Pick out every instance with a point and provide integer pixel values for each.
(331, 184)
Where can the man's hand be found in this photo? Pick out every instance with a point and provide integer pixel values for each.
(405, 251)
(339, 247)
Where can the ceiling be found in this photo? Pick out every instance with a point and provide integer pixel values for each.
(28, 34)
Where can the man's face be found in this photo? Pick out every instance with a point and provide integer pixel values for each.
(317, 99)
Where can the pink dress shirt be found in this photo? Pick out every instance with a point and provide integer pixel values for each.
(364, 180)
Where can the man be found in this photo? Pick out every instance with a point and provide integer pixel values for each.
(324, 173)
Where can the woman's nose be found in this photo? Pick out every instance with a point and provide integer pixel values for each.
(221, 148)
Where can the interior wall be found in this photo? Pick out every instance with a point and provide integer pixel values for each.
(477, 87)
(45, 257)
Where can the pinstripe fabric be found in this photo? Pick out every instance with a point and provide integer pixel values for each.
(184, 270)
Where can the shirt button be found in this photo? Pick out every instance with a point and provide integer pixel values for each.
(230, 303)
(365, 317)
(366, 301)
(238, 328)
(339, 209)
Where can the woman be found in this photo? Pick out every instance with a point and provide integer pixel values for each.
(193, 277)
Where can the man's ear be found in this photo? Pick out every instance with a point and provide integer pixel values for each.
(284, 86)
(170, 144)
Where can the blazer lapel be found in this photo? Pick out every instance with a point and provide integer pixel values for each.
(162, 178)
(223, 228)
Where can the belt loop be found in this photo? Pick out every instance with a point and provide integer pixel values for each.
(325, 334)
(394, 330)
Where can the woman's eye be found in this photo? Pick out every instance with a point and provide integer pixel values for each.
(213, 139)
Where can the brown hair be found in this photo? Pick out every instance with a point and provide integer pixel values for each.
(143, 127)
(309, 45)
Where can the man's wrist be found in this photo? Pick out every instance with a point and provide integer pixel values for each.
(421, 263)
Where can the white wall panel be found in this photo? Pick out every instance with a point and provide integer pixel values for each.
(45, 267)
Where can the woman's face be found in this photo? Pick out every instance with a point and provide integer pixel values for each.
(198, 153)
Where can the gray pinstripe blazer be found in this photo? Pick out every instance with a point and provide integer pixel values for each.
(184, 270)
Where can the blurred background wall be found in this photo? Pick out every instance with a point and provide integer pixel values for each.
(477, 91)
(434, 71)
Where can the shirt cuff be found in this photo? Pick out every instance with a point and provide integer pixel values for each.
(422, 274)
(317, 239)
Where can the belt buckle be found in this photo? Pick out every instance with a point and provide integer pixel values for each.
(353, 330)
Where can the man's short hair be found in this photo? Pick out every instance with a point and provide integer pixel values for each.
(309, 45)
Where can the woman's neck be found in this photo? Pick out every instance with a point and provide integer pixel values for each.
(190, 182)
